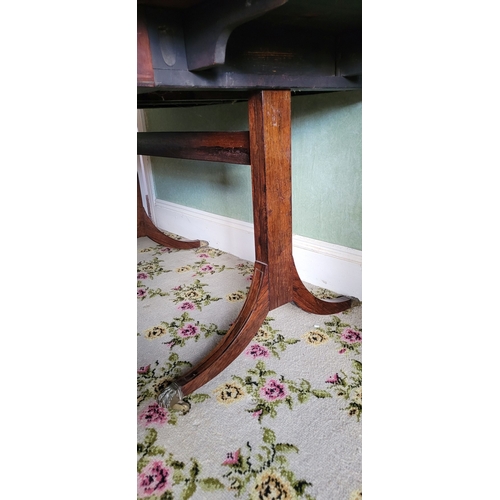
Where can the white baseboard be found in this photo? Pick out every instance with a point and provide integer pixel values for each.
(322, 264)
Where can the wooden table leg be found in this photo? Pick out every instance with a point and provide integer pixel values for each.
(276, 281)
(145, 227)
(270, 154)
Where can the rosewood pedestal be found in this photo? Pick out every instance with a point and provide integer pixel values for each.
(267, 147)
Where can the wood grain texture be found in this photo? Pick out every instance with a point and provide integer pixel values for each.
(145, 72)
(270, 146)
(238, 337)
(225, 147)
(304, 299)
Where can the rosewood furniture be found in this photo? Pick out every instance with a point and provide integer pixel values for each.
(200, 52)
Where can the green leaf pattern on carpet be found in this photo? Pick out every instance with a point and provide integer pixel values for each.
(283, 421)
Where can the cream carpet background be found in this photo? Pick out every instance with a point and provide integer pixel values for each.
(282, 421)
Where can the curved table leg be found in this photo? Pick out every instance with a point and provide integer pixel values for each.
(311, 304)
(240, 334)
(145, 227)
(276, 281)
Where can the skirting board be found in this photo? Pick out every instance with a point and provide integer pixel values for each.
(319, 263)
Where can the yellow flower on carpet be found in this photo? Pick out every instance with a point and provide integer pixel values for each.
(263, 334)
(193, 295)
(183, 269)
(272, 486)
(316, 337)
(235, 296)
(356, 395)
(356, 495)
(229, 392)
(155, 332)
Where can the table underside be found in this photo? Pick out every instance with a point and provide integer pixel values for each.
(242, 45)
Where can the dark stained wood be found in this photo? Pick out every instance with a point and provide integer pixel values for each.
(269, 115)
(238, 337)
(207, 28)
(186, 97)
(145, 72)
(270, 146)
(219, 79)
(299, 45)
(225, 147)
(281, 52)
(303, 298)
(334, 16)
(349, 63)
(145, 227)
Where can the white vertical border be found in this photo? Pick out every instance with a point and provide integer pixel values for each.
(145, 172)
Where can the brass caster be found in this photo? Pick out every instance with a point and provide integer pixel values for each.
(172, 399)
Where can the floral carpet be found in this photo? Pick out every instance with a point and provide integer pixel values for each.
(283, 421)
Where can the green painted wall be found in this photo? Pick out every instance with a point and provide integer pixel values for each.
(326, 165)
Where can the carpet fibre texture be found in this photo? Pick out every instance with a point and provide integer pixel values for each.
(283, 421)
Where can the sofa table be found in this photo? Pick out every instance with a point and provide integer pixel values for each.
(201, 52)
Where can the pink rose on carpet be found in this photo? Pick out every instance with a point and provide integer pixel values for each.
(154, 415)
(186, 306)
(351, 336)
(207, 268)
(188, 330)
(273, 390)
(154, 479)
(334, 379)
(141, 292)
(204, 255)
(231, 458)
(257, 351)
(143, 369)
(142, 276)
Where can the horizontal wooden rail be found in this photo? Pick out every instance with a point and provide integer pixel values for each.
(225, 147)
